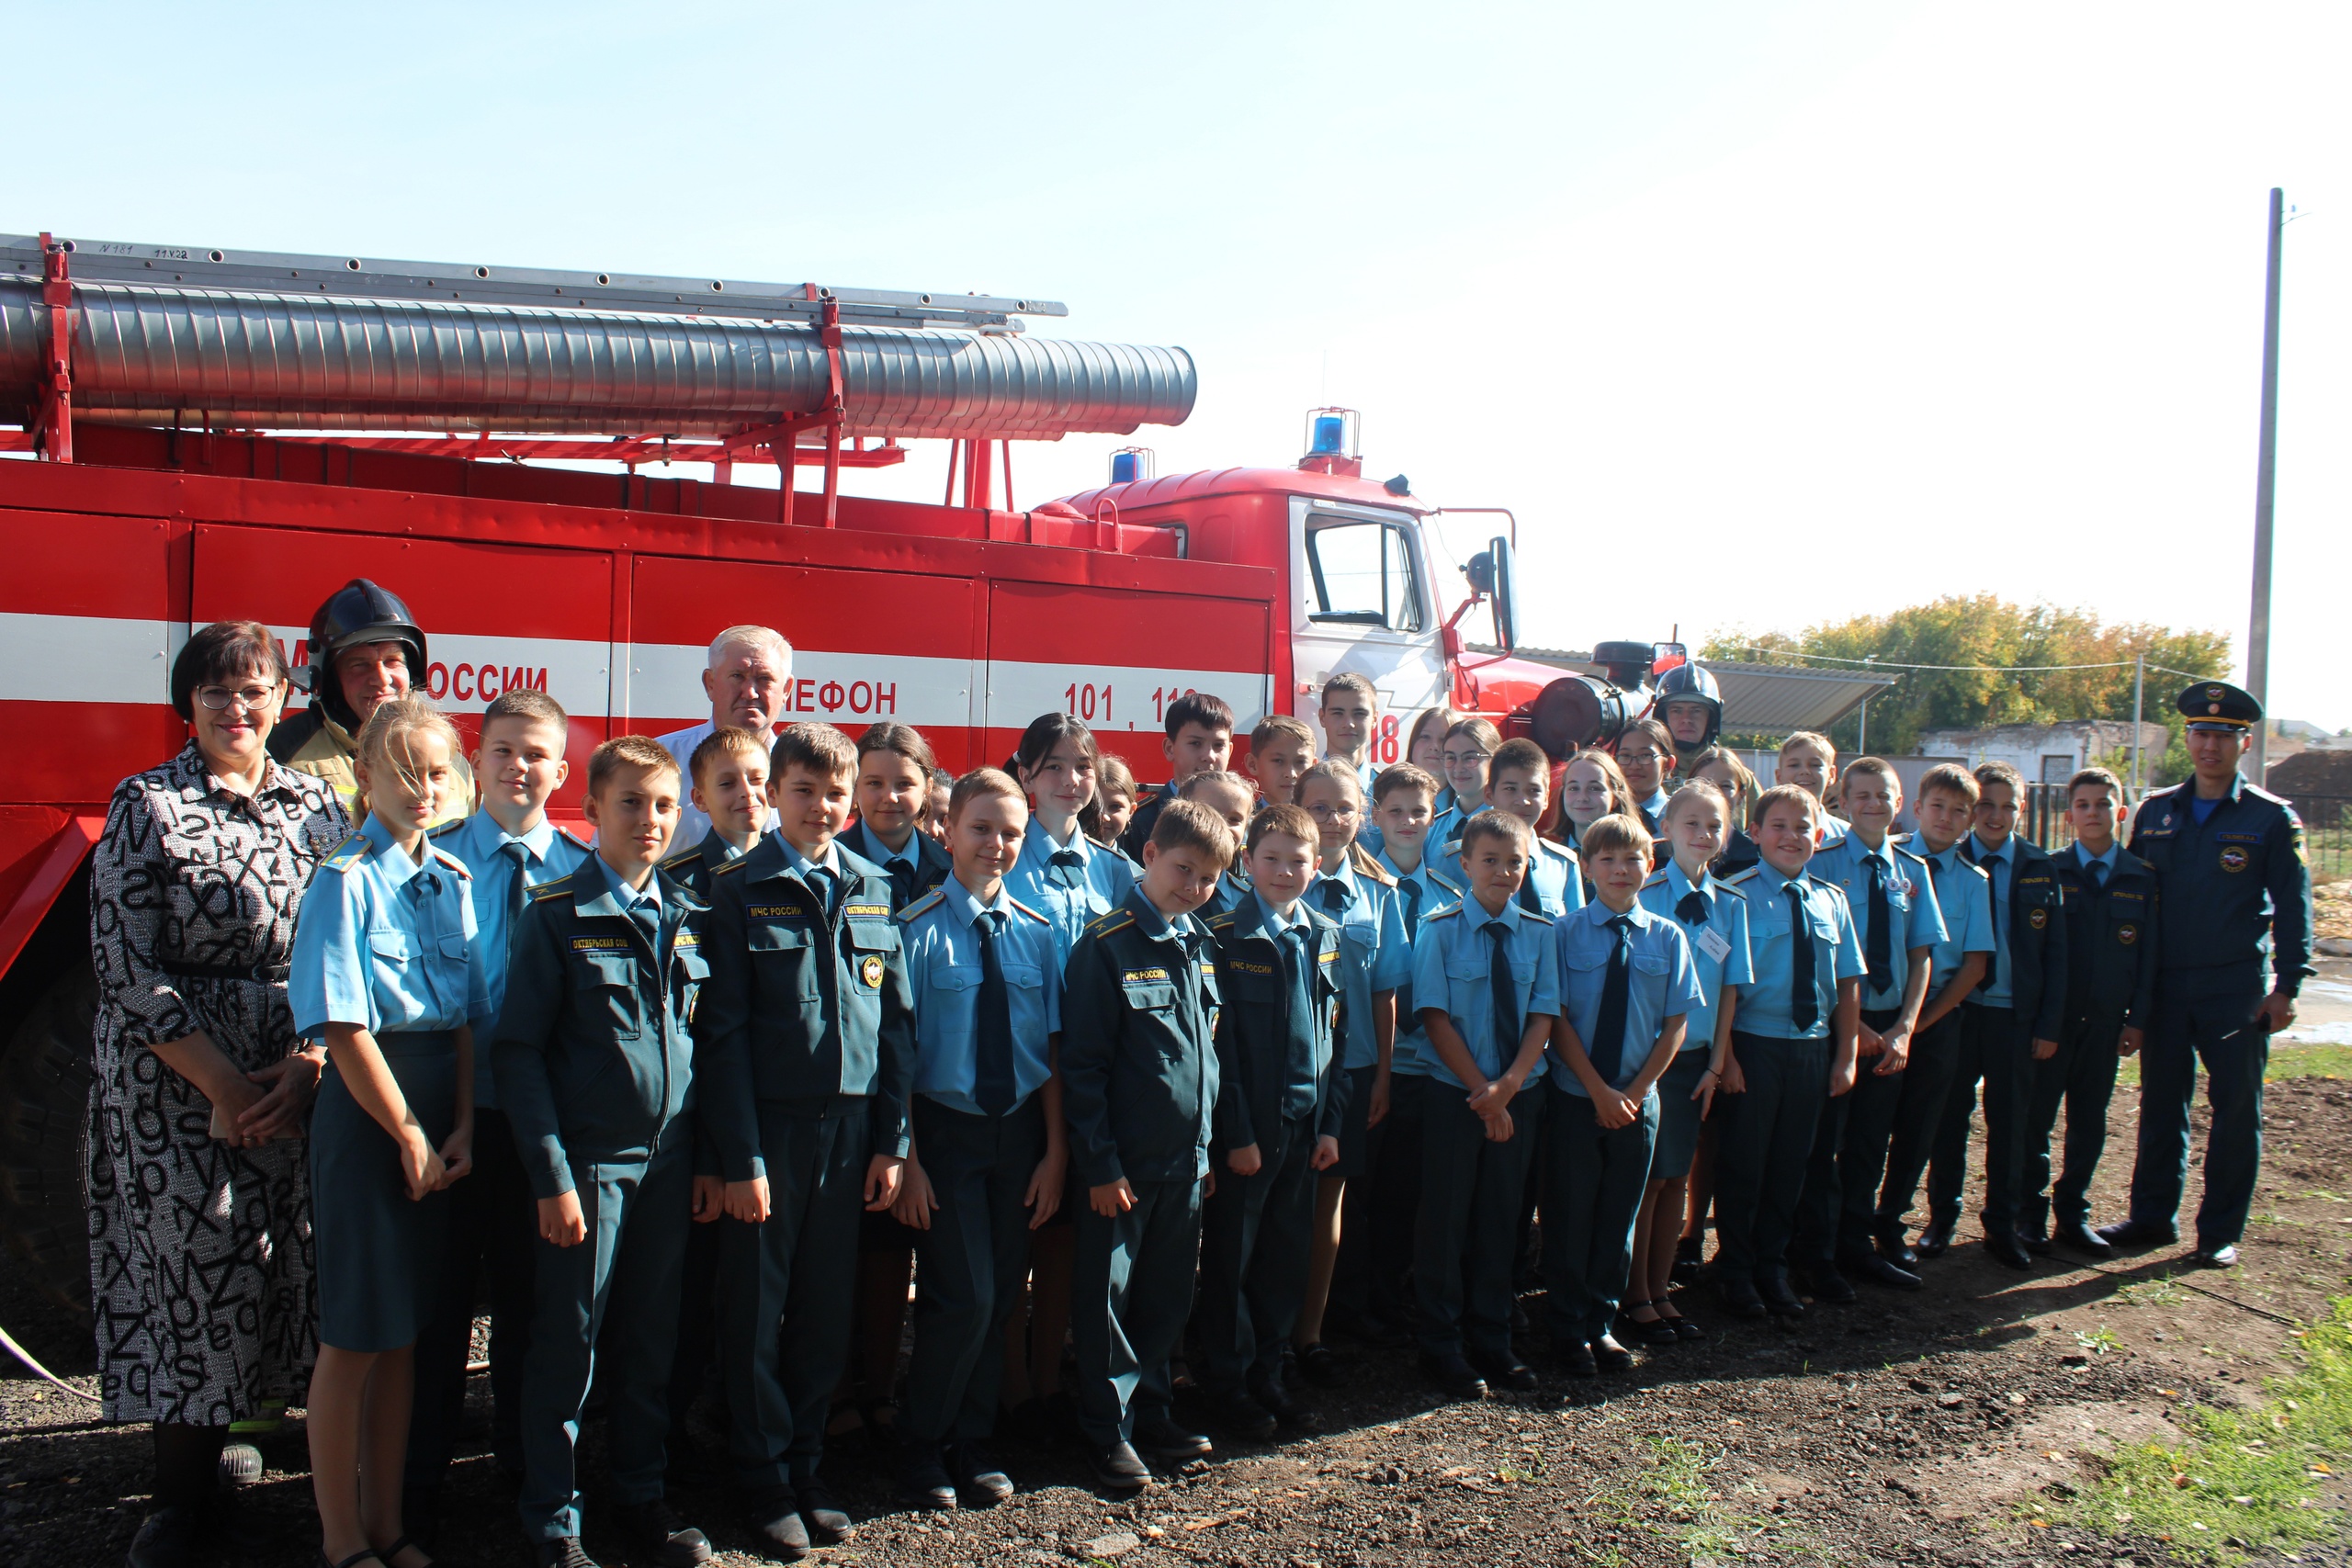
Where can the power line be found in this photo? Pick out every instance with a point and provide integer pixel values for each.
(1959, 668)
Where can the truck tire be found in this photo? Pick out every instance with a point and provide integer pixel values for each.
(44, 1122)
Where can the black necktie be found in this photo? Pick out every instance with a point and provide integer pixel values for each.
(1335, 897)
(1991, 865)
(1408, 1018)
(1069, 868)
(2098, 875)
(646, 915)
(820, 883)
(1607, 1046)
(1411, 888)
(1506, 994)
(1693, 910)
(1298, 951)
(904, 882)
(1804, 1000)
(992, 1086)
(516, 853)
(1880, 958)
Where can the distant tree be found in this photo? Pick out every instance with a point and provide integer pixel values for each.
(1987, 630)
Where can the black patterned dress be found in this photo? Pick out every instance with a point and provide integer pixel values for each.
(200, 1252)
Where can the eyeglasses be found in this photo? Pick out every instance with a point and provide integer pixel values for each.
(1450, 758)
(218, 698)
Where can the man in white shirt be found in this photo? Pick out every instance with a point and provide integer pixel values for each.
(750, 671)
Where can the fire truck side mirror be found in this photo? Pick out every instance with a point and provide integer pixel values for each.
(1502, 585)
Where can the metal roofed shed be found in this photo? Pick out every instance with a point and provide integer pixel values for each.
(1766, 699)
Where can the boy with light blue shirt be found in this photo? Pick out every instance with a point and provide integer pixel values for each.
(1946, 803)
(989, 1150)
(1487, 979)
(1792, 1044)
(1626, 987)
(1518, 781)
(1891, 895)
(511, 847)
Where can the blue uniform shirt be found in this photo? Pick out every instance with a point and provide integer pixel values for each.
(1553, 868)
(1423, 893)
(944, 966)
(1662, 983)
(2000, 868)
(387, 944)
(479, 843)
(1072, 897)
(2085, 859)
(1376, 955)
(1451, 968)
(1911, 906)
(1965, 899)
(1716, 966)
(1764, 1007)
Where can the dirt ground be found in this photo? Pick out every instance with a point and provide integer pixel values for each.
(1932, 1427)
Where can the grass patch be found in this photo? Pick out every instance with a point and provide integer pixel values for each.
(2285, 1062)
(2244, 1478)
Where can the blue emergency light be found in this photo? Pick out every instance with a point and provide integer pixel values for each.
(1331, 436)
(1125, 468)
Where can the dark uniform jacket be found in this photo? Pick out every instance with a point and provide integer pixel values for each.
(1253, 1033)
(694, 865)
(1139, 1062)
(2037, 936)
(802, 1007)
(1147, 816)
(2111, 934)
(2232, 888)
(933, 866)
(594, 1055)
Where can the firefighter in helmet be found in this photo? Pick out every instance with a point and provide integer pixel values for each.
(1691, 706)
(365, 647)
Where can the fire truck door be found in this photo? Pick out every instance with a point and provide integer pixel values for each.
(1088, 651)
(850, 666)
(1361, 601)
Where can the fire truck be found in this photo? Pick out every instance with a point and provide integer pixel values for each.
(411, 410)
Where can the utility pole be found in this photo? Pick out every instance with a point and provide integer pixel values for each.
(2139, 713)
(2266, 484)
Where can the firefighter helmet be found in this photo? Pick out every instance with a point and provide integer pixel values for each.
(360, 612)
(1686, 682)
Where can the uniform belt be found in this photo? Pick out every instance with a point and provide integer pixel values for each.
(267, 973)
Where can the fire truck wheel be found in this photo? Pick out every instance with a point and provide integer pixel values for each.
(44, 1113)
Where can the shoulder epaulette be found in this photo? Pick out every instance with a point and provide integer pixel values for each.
(1910, 854)
(1367, 867)
(926, 903)
(1117, 919)
(548, 889)
(2261, 793)
(1657, 879)
(1010, 903)
(1441, 914)
(449, 827)
(346, 854)
(731, 867)
(575, 841)
(1736, 877)
(1537, 916)
(1441, 879)
(453, 863)
(676, 857)
(1220, 922)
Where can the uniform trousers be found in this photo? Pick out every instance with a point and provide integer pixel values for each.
(1131, 1291)
(1256, 1232)
(1839, 1209)
(1465, 1232)
(698, 1322)
(2208, 1015)
(971, 1263)
(1761, 1154)
(493, 1224)
(624, 1275)
(2081, 1077)
(1594, 1179)
(1919, 1111)
(1994, 1046)
(792, 1273)
(1371, 1280)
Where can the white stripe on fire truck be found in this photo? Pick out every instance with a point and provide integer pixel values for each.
(665, 681)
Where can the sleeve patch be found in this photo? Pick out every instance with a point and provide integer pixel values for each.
(600, 944)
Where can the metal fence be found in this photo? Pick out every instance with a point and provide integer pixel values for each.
(2327, 825)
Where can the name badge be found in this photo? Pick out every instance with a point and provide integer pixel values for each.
(1714, 943)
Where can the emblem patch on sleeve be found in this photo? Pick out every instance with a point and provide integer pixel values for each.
(869, 969)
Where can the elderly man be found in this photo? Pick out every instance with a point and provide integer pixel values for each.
(750, 667)
(365, 647)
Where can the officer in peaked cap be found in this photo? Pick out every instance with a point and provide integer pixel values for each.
(2233, 887)
(365, 647)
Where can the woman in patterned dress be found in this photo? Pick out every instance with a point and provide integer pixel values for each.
(199, 1209)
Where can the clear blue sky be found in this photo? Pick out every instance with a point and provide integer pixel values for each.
(1757, 315)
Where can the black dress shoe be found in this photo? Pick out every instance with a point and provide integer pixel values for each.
(1828, 1285)
(657, 1535)
(1116, 1468)
(827, 1522)
(2007, 1249)
(1741, 1298)
(1320, 1365)
(978, 1475)
(1658, 1334)
(2076, 1236)
(1508, 1373)
(565, 1552)
(2035, 1241)
(2222, 1256)
(774, 1517)
(2126, 1233)
(1243, 1416)
(1453, 1373)
(1576, 1359)
(1897, 1251)
(1778, 1300)
(925, 1483)
(1164, 1440)
(1685, 1331)
(1608, 1356)
(1934, 1241)
(1870, 1269)
(166, 1538)
(1276, 1397)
